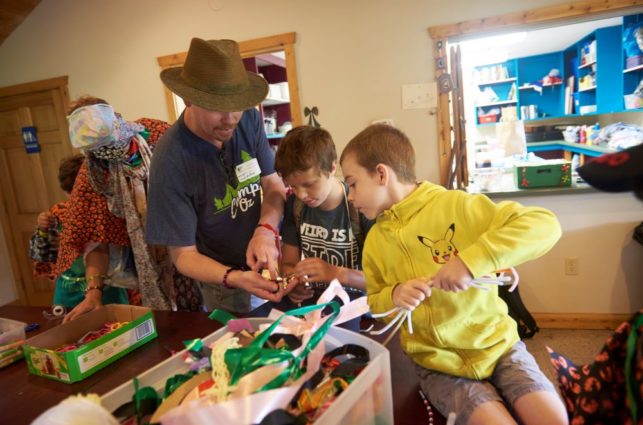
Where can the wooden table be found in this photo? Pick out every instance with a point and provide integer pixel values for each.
(25, 396)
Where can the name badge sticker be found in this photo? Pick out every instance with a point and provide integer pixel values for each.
(247, 170)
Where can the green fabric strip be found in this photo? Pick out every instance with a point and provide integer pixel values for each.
(631, 386)
(221, 316)
(241, 361)
(193, 344)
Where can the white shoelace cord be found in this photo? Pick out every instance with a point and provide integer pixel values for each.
(402, 314)
(500, 280)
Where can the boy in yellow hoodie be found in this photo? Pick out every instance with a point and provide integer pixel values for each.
(423, 252)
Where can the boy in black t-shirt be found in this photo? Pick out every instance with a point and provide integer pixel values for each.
(319, 224)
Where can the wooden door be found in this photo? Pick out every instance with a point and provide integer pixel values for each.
(29, 181)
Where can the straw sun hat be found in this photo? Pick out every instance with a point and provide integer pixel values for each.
(214, 78)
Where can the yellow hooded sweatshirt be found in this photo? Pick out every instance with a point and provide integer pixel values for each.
(462, 334)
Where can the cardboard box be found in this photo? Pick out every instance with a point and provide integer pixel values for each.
(553, 173)
(76, 365)
(367, 400)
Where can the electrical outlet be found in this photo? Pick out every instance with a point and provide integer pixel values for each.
(571, 266)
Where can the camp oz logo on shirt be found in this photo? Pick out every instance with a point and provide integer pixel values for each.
(243, 197)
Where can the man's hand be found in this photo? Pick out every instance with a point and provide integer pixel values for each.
(453, 276)
(263, 251)
(316, 270)
(93, 300)
(252, 282)
(44, 220)
(411, 293)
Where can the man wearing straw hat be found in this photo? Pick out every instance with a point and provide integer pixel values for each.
(214, 198)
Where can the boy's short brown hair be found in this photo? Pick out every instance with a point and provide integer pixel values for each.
(68, 170)
(305, 147)
(383, 144)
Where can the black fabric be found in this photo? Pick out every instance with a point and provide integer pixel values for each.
(281, 417)
(616, 172)
(527, 326)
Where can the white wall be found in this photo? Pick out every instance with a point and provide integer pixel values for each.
(353, 58)
(597, 229)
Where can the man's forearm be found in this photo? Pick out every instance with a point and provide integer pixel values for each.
(198, 266)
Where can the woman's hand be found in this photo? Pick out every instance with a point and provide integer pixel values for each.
(44, 220)
(93, 300)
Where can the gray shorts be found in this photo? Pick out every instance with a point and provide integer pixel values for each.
(516, 374)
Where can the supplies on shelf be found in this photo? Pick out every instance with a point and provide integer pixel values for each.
(486, 96)
(490, 73)
(588, 53)
(587, 82)
(633, 101)
(633, 43)
(552, 78)
(587, 109)
(620, 135)
(491, 116)
(583, 134)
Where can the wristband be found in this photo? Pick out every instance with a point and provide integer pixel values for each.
(272, 229)
(90, 288)
(93, 277)
(42, 233)
(225, 277)
(277, 236)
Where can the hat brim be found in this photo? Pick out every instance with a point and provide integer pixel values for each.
(255, 93)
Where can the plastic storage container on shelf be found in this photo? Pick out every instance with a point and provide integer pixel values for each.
(489, 118)
(12, 336)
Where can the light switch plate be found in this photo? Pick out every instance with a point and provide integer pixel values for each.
(419, 96)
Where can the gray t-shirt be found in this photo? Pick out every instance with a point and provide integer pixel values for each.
(209, 197)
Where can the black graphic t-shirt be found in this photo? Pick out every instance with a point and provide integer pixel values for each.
(322, 234)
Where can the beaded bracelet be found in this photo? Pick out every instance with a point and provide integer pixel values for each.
(93, 277)
(225, 277)
(427, 405)
(89, 288)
